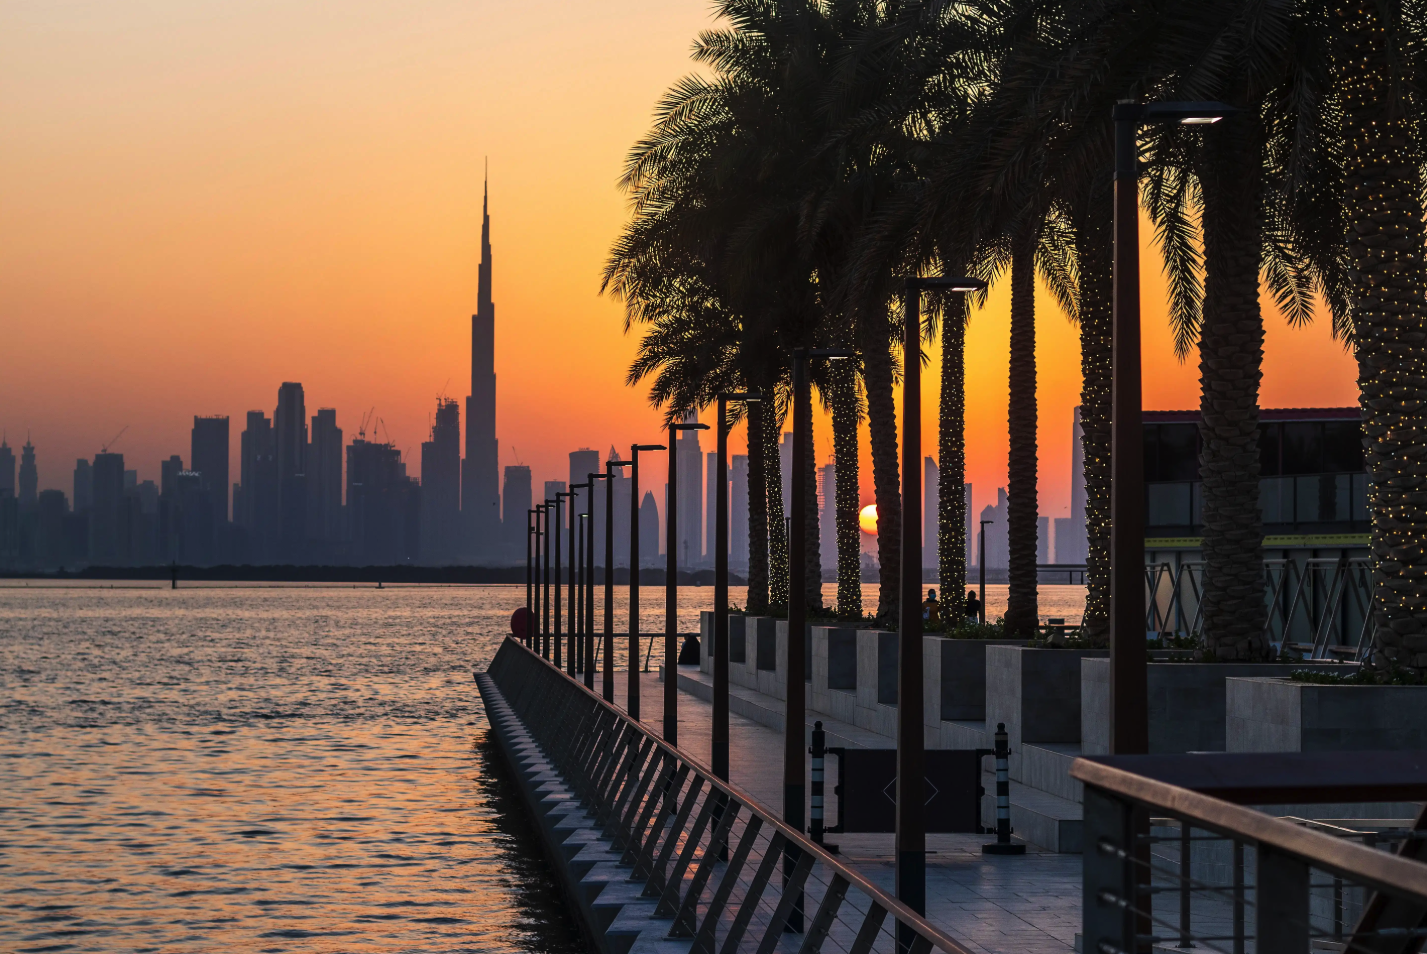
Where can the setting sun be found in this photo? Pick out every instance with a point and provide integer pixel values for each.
(867, 519)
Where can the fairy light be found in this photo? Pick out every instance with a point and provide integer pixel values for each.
(845, 415)
(1095, 355)
(777, 530)
(951, 497)
(1385, 248)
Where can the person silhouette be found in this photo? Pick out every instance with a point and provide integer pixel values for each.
(973, 606)
(931, 611)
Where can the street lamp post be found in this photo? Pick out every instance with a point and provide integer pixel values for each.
(1129, 691)
(529, 560)
(545, 581)
(574, 614)
(719, 649)
(590, 584)
(608, 667)
(911, 837)
(981, 570)
(794, 720)
(633, 687)
(555, 638)
(671, 581)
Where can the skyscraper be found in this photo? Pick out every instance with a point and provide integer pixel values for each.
(83, 486)
(691, 495)
(7, 468)
(710, 508)
(738, 513)
(827, 516)
(441, 486)
(557, 514)
(290, 438)
(480, 492)
(324, 480)
(516, 498)
(383, 505)
(931, 503)
(29, 476)
(257, 468)
(107, 543)
(649, 530)
(208, 456)
(168, 474)
(1071, 543)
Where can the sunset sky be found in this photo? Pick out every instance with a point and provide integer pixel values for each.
(202, 200)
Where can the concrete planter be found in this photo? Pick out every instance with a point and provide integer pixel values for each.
(1186, 702)
(1036, 693)
(963, 677)
(1276, 715)
(737, 651)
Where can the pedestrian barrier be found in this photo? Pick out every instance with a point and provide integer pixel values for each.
(726, 873)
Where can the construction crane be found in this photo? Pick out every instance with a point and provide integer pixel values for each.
(370, 416)
(113, 440)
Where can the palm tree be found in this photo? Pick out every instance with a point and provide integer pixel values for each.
(846, 408)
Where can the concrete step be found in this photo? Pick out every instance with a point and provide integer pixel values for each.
(1037, 817)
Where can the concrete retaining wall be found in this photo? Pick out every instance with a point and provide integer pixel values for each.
(1276, 715)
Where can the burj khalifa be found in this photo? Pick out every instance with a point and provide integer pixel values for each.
(480, 483)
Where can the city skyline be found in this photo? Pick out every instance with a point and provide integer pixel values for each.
(348, 259)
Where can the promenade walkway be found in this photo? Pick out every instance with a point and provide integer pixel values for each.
(1000, 905)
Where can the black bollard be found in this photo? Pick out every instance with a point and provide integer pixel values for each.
(173, 569)
(818, 751)
(1003, 844)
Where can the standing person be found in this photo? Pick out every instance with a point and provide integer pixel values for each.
(973, 606)
(931, 612)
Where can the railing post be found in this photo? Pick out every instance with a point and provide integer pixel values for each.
(1280, 902)
(1109, 894)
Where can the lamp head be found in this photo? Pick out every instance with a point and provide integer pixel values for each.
(688, 427)
(945, 283)
(1187, 114)
(650, 447)
(617, 463)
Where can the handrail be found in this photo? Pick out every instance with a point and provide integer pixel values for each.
(904, 914)
(1382, 871)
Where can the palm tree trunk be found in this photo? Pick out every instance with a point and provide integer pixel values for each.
(1022, 614)
(886, 480)
(951, 456)
(812, 538)
(1230, 368)
(1385, 242)
(757, 601)
(773, 492)
(1095, 240)
(845, 415)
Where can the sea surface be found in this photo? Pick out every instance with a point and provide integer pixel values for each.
(272, 768)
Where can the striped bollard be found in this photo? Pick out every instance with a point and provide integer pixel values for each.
(1003, 844)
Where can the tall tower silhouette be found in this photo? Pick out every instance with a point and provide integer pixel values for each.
(480, 475)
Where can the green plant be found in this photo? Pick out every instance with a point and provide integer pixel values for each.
(969, 630)
(1396, 676)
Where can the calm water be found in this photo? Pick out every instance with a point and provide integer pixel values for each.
(270, 769)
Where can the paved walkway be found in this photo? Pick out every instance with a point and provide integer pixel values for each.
(1028, 904)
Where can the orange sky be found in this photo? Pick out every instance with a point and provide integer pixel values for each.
(205, 200)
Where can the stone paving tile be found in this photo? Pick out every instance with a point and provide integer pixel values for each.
(994, 905)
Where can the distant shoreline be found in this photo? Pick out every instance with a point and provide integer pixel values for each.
(281, 573)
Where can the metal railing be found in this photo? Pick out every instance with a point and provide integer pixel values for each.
(725, 872)
(1175, 860)
(1316, 606)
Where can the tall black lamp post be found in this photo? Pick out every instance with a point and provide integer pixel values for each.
(529, 561)
(794, 721)
(555, 637)
(608, 668)
(671, 582)
(574, 614)
(545, 578)
(633, 687)
(1129, 691)
(590, 583)
(911, 834)
(719, 649)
